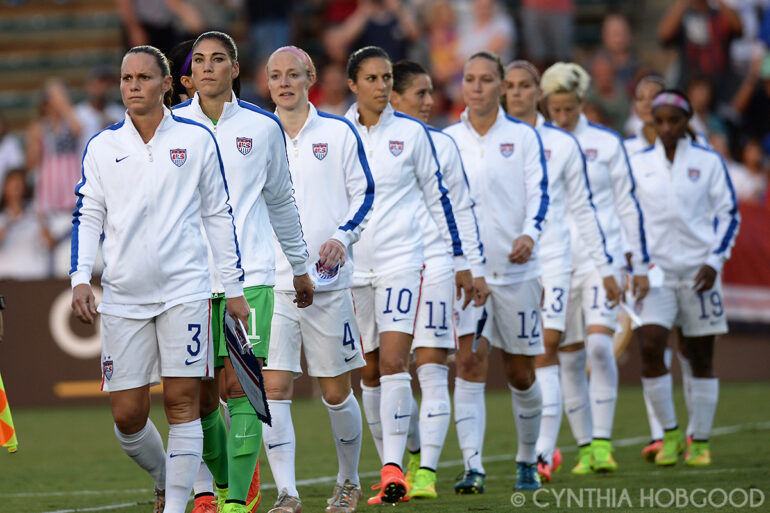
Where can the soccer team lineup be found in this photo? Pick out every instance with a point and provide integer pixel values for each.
(236, 240)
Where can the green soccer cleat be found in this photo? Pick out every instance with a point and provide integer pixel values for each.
(234, 507)
(424, 484)
(470, 481)
(221, 498)
(527, 478)
(583, 466)
(672, 448)
(601, 456)
(698, 455)
(411, 469)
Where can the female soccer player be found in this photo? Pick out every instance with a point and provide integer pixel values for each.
(254, 155)
(692, 219)
(334, 190)
(389, 257)
(505, 163)
(434, 330)
(568, 191)
(148, 183)
(180, 60)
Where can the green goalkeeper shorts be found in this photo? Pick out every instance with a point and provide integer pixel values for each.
(260, 299)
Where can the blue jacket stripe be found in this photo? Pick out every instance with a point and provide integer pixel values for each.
(730, 233)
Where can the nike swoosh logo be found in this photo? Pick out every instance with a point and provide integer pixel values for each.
(399, 319)
(119, 160)
(348, 441)
(573, 410)
(530, 417)
(348, 359)
(188, 362)
(174, 455)
(402, 416)
(271, 446)
(246, 436)
(462, 419)
(532, 343)
(431, 415)
(604, 401)
(442, 334)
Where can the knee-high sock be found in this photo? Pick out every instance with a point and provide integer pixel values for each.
(204, 481)
(527, 409)
(145, 447)
(395, 413)
(548, 377)
(574, 389)
(371, 399)
(659, 391)
(185, 447)
(470, 421)
(434, 412)
(280, 446)
(684, 363)
(347, 430)
(243, 445)
(215, 446)
(413, 435)
(705, 394)
(656, 430)
(603, 385)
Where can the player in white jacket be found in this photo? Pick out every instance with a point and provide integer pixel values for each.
(434, 335)
(253, 151)
(505, 163)
(148, 184)
(568, 191)
(592, 313)
(334, 190)
(389, 258)
(692, 219)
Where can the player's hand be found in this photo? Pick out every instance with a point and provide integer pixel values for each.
(522, 250)
(331, 252)
(480, 291)
(84, 303)
(464, 284)
(612, 289)
(239, 309)
(640, 286)
(304, 288)
(705, 279)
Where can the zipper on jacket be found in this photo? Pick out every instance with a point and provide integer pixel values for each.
(149, 151)
(296, 149)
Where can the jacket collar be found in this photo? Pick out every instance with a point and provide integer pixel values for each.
(312, 114)
(229, 109)
(385, 116)
(163, 125)
(465, 118)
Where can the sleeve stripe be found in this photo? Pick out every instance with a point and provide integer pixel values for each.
(642, 236)
(544, 198)
(730, 233)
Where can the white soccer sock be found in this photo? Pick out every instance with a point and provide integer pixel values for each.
(395, 413)
(470, 421)
(684, 363)
(705, 394)
(347, 430)
(574, 389)
(659, 390)
(281, 445)
(145, 447)
(413, 435)
(656, 430)
(371, 399)
(527, 410)
(204, 481)
(603, 385)
(185, 446)
(548, 377)
(434, 412)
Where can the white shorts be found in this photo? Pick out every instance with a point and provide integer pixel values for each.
(556, 289)
(513, 318)
(174, 344)
(587, 306)
(388, 303)
(678, 304)
(466, 321)
(326, 331)
(435, 327)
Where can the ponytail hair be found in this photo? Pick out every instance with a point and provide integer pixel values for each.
(232, 51)
(180, 58)
(358, 57)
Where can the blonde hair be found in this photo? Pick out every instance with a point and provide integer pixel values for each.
(565, 77)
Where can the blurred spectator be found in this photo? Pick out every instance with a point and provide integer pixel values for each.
(489, 28)
(11, 153)
(148, 22)
(744, 48)
(606, 94)
(97, 111)
(704, 120)
(389, 24)
(256, 90)
(25, 242)
(703, 34)
(616, 46)
(268, 26)
(334, 93)
(749, 176)
(549, 27)
(442, 37)
(752, 101)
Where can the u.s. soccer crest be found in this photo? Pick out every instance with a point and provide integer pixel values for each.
(107, 368)
(178, 156)
(693, 174)
(591, 154)
(396, 147)
(320, 150)
(506, 149)
(243, 144)
(547, 154)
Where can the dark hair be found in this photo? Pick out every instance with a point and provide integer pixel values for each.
(652, 78)
(161, 61)
(359, 56)
(686, 98)
(180, 57)
(490, 56)
(403, 74)
(26, 196)
(232, 51)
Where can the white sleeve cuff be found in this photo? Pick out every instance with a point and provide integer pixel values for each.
(234, 290)
(477, 270)
(299, 269)
(533, 232)
(343, 237)
(715, 261)
(640, 268)
(461, 263)
(80, 278)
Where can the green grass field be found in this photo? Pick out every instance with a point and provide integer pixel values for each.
(70, 461)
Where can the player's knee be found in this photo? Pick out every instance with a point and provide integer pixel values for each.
(600, 354)
(129, 420)
(392, 364)
(702, 366)
(470, 366)
(277, 391)
(521, 380)
(652, 351)
(336, 396)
